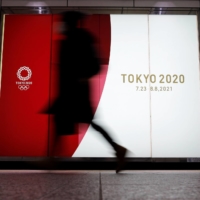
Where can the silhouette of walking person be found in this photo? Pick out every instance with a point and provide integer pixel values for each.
(78, 63)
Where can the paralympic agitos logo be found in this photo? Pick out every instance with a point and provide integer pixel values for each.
(24, 75)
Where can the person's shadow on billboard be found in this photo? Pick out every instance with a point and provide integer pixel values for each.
(78, 63)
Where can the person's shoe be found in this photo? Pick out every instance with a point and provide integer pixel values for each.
(120, 153)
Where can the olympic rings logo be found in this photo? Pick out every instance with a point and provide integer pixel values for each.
(26, 77)
(23, 87)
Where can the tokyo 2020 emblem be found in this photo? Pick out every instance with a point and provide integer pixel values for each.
(24, 84)
(24, 78)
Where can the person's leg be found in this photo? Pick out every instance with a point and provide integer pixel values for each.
(105, 135)
(120, 150)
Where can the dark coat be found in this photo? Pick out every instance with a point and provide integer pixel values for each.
(78, 63)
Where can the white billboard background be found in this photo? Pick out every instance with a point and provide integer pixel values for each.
(150, 123)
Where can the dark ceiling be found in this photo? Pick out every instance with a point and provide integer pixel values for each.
(102, 10)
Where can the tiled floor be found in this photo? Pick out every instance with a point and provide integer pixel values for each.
(99, 185)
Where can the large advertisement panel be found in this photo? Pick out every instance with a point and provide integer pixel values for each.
(151, 99)
(24, 85)
(147, 94)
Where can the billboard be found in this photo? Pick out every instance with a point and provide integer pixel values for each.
(147, 94)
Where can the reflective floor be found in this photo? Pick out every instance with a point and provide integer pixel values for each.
(99, 185)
